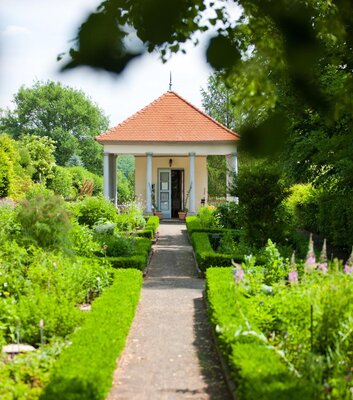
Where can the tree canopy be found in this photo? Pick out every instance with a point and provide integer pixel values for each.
(65, 115)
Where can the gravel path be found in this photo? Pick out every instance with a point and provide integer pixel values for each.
(169, 352)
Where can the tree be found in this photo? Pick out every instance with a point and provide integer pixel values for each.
(126, 178)
(216, 101)
(65, 115)
(41, 156)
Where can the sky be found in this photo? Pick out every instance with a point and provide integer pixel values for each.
(33, 33)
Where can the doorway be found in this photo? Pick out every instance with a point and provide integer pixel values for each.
(170, 191)
(177, 191)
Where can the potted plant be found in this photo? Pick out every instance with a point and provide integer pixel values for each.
(183, 212)
(157, 211)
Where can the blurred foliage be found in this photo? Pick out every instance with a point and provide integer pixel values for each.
(65, 115)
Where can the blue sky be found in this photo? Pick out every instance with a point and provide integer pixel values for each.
(33, 33)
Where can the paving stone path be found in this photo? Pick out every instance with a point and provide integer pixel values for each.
(169, 352)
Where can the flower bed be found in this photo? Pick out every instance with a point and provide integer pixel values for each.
(284, 340)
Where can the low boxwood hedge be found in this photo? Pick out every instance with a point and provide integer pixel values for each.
(257, 370)
(137, 260)
(84, 369)
(150, 228)
(194, 225)
(206, 256)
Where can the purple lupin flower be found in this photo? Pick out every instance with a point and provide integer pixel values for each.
(293, 277)
(238, 274)
(323, 266)
(348, 268)
(310, 262)
(293, 273)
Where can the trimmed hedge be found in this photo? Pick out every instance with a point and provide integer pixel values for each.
(206, 256)
(193, 225)
(150, 228)
(84, 370)
(257, 371)
(137, 260)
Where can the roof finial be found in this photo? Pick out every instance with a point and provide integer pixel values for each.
(170, 81)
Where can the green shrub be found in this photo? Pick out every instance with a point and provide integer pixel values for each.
(301, 207)
(61, 183)
(260, 191)
(38, 190)
(335, 218)
(80, 175)
(44, 222)
(77, 279)
(59, 314)
(81, 239)
(207, 217)
(118, 246)
(84, 370)
(9, 225)
(228, 215)
(94, 210)
(131, 217)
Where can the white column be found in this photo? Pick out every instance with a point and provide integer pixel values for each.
(232, 170)
(106, 190)
(191, 187)
(112, 179)
(149, 183)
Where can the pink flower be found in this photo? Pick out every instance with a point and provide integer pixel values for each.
(310, 262)
(293, 277)
(238, 274)
(348, 269)
(323, 267)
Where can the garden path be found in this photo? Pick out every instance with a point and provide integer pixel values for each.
(169, 352)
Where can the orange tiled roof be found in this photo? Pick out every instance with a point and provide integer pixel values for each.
(169, 118)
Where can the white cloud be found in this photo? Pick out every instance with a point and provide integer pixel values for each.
(12, 30)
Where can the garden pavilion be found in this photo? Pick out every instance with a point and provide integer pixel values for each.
(170, 139)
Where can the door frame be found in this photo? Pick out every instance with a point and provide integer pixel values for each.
(182, 194)
(159, 191)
